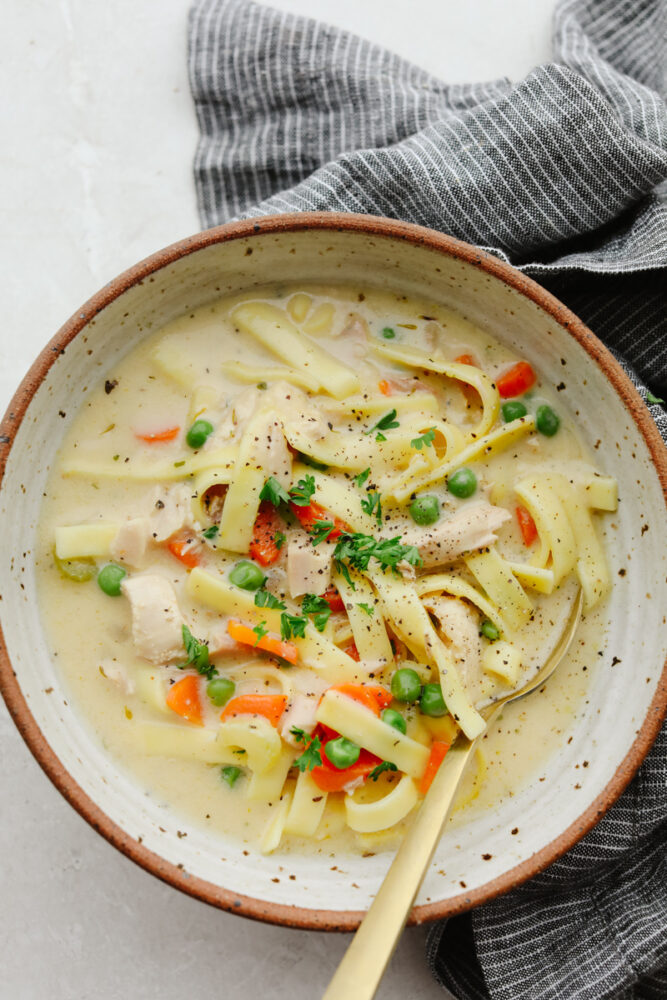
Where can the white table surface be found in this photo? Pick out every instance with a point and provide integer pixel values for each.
(95, 172)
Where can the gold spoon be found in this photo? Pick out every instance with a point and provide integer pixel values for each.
(359, 973)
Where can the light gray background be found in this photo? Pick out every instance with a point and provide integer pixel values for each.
(98, 133)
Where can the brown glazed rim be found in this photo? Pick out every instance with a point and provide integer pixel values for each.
(248, 906)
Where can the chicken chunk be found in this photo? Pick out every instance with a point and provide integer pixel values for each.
(308, 567)
(459, 625)
(157, 622)
(473, 527)
(129, 545)
(299, 714)
(171, 511)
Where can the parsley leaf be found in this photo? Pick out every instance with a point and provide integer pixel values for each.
(317, 607)
(385, 423)
(280, 538)
(292, 625)
(302, 493)
(368, 608)
(313, 463)
(273, 492)
(357, 550)
(362, 477)
(197, 653)
(425, 440)
(320, 531)
(264, 599)
(311, 756)
(211, 532)
(371, 503)
(650, 398)
(260, 631)
(377, 771)
(230, 774)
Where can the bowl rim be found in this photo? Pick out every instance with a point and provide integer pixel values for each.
(248, 906)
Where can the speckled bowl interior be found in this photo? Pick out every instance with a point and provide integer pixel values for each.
(615, 726)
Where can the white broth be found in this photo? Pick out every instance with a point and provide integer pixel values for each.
(458, 595)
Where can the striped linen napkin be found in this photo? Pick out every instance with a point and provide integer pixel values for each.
(564, 176)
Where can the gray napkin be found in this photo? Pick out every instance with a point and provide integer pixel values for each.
(563, 175)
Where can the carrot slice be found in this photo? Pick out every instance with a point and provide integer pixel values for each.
(309, 516)
(385, 387)
(333, 599)
(330, 779)
(436, 757)
(516, 380)
(466, 359)
(158, 437)
(270, 644)
(352, 651)
(271, 706)
(370, 695)
(527, 525)
(263, 547)
(183, 698)
(182, 549)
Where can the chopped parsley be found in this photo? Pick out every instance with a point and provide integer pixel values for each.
(230, 774)
(280, 538)
(425, 440)
(302, 493)
(650, 398)
(320, 531)
(372, 502)
(197, 653)
(311, 756)
(368, 608)
(260, 631)
(357, 550)
(211, 532)
(264, 599)
(384, 766)
(385, 423)
(273, 492)
(313, 463)
(362, 477)
(292, 625)
(318, 608)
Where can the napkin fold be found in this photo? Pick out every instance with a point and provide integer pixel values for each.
(563, 175)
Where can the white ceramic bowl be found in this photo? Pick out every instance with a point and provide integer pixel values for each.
(615, 726)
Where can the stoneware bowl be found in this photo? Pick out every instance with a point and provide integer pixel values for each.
(615, 726)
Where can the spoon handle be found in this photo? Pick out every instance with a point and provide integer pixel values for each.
(364, 962)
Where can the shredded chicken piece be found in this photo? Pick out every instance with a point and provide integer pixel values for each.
(308, 566)
(473, 527)
(129, 545)
(220, 642)
(171, 511)
(157, 622)
(460, 626)
(116, 672)
(300, 714)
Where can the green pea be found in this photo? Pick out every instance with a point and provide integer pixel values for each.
(230, 774)
(513, 409)
(342, 753)
(547, 420)
(388, 333)
(110, 578)
(405, 684)
(79, 570)
(247, 575)
(432, 702)
(200, 430)
(462, 483)
(425, 510)
(394, 719)
(491, 631)
(220, 690)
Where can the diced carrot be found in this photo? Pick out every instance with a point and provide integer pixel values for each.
(390, 386)
(466, 359)
(333, 599)
(384, 387)
(183, 698)
(271, 706)
(270, 644)
(436, 757)
(183, 549)
(527, 525)
(308, 517)
(158, 437)
(263, 547)
(352, 651)
(370, 695)
(332, 779)
(516, 380)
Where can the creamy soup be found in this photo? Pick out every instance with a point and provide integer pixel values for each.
(296, 542)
